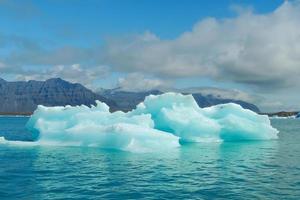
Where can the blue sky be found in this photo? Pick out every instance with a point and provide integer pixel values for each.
(157, 43)
(91, 21)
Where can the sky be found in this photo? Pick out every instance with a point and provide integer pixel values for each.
(247, 49)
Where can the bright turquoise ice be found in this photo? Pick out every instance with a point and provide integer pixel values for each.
(160, 122)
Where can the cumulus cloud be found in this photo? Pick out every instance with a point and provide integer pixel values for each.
(138, 82)
(2, 66)
(27, 59)
(223, 93)
(73, 73)
(6, 69)
(260, 50)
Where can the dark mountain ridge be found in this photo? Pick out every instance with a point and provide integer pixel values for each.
(210, 100)
(24, 96)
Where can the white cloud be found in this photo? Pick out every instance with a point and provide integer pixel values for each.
(6, 69)
(223, 93)
(2, 66)
(138, 82)
(260, 50)
(72, 73)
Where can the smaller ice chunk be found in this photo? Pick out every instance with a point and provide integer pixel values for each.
(241, 124)
(180, 115)
(2, 140)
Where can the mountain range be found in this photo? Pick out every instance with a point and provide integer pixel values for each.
(22, 97)
(127, 100)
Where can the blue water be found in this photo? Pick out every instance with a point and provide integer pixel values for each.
(240, 170)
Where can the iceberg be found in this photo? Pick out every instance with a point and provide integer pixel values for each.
(160, 122)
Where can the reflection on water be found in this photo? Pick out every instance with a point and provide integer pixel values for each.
(244, 170)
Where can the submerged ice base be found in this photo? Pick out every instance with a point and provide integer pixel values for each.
(157, 123)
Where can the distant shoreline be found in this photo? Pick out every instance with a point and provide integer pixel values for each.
(281, 114)
(27, 114)
(21, 114)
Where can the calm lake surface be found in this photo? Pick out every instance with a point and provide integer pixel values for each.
(239, 170)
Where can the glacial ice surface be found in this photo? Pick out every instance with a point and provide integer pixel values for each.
(159, 122)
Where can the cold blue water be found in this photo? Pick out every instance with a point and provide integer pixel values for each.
(239, 170)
